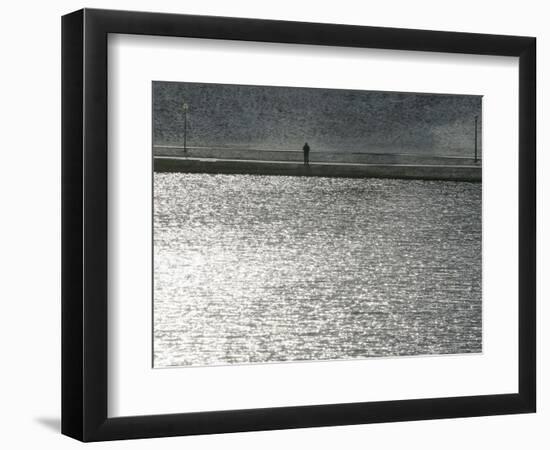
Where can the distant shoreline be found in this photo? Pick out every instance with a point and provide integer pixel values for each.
(296, 156)
(374, 156)
(403, 170)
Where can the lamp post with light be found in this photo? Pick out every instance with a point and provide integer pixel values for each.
(475, 140)
(185, 107)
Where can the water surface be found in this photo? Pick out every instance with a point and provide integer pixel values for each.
(254, 269)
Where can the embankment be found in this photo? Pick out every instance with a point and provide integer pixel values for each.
(316, 169)
(370, 156)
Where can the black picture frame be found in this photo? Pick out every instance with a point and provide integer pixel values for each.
(84, 224)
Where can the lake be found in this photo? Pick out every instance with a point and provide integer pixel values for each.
(257, 269)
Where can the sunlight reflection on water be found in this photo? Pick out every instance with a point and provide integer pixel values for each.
(251, 269)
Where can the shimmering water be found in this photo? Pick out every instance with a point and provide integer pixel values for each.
(252, 269)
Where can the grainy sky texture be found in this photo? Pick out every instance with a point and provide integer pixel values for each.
(332, 120)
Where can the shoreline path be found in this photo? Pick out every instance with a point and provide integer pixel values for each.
(448, 172)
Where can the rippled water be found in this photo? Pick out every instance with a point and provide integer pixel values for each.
(251, 269)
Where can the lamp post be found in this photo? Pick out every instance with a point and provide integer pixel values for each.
(475, 141)
(185, 107)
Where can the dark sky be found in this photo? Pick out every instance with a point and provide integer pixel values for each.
(333, 120)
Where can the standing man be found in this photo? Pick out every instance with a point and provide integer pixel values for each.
(306, 154)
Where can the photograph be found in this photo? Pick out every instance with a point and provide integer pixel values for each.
(275, 225)
(299, 224)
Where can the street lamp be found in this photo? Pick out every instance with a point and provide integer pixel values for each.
(185, 107)
(475, 141)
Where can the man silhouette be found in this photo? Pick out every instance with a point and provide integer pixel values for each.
(306, 154)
